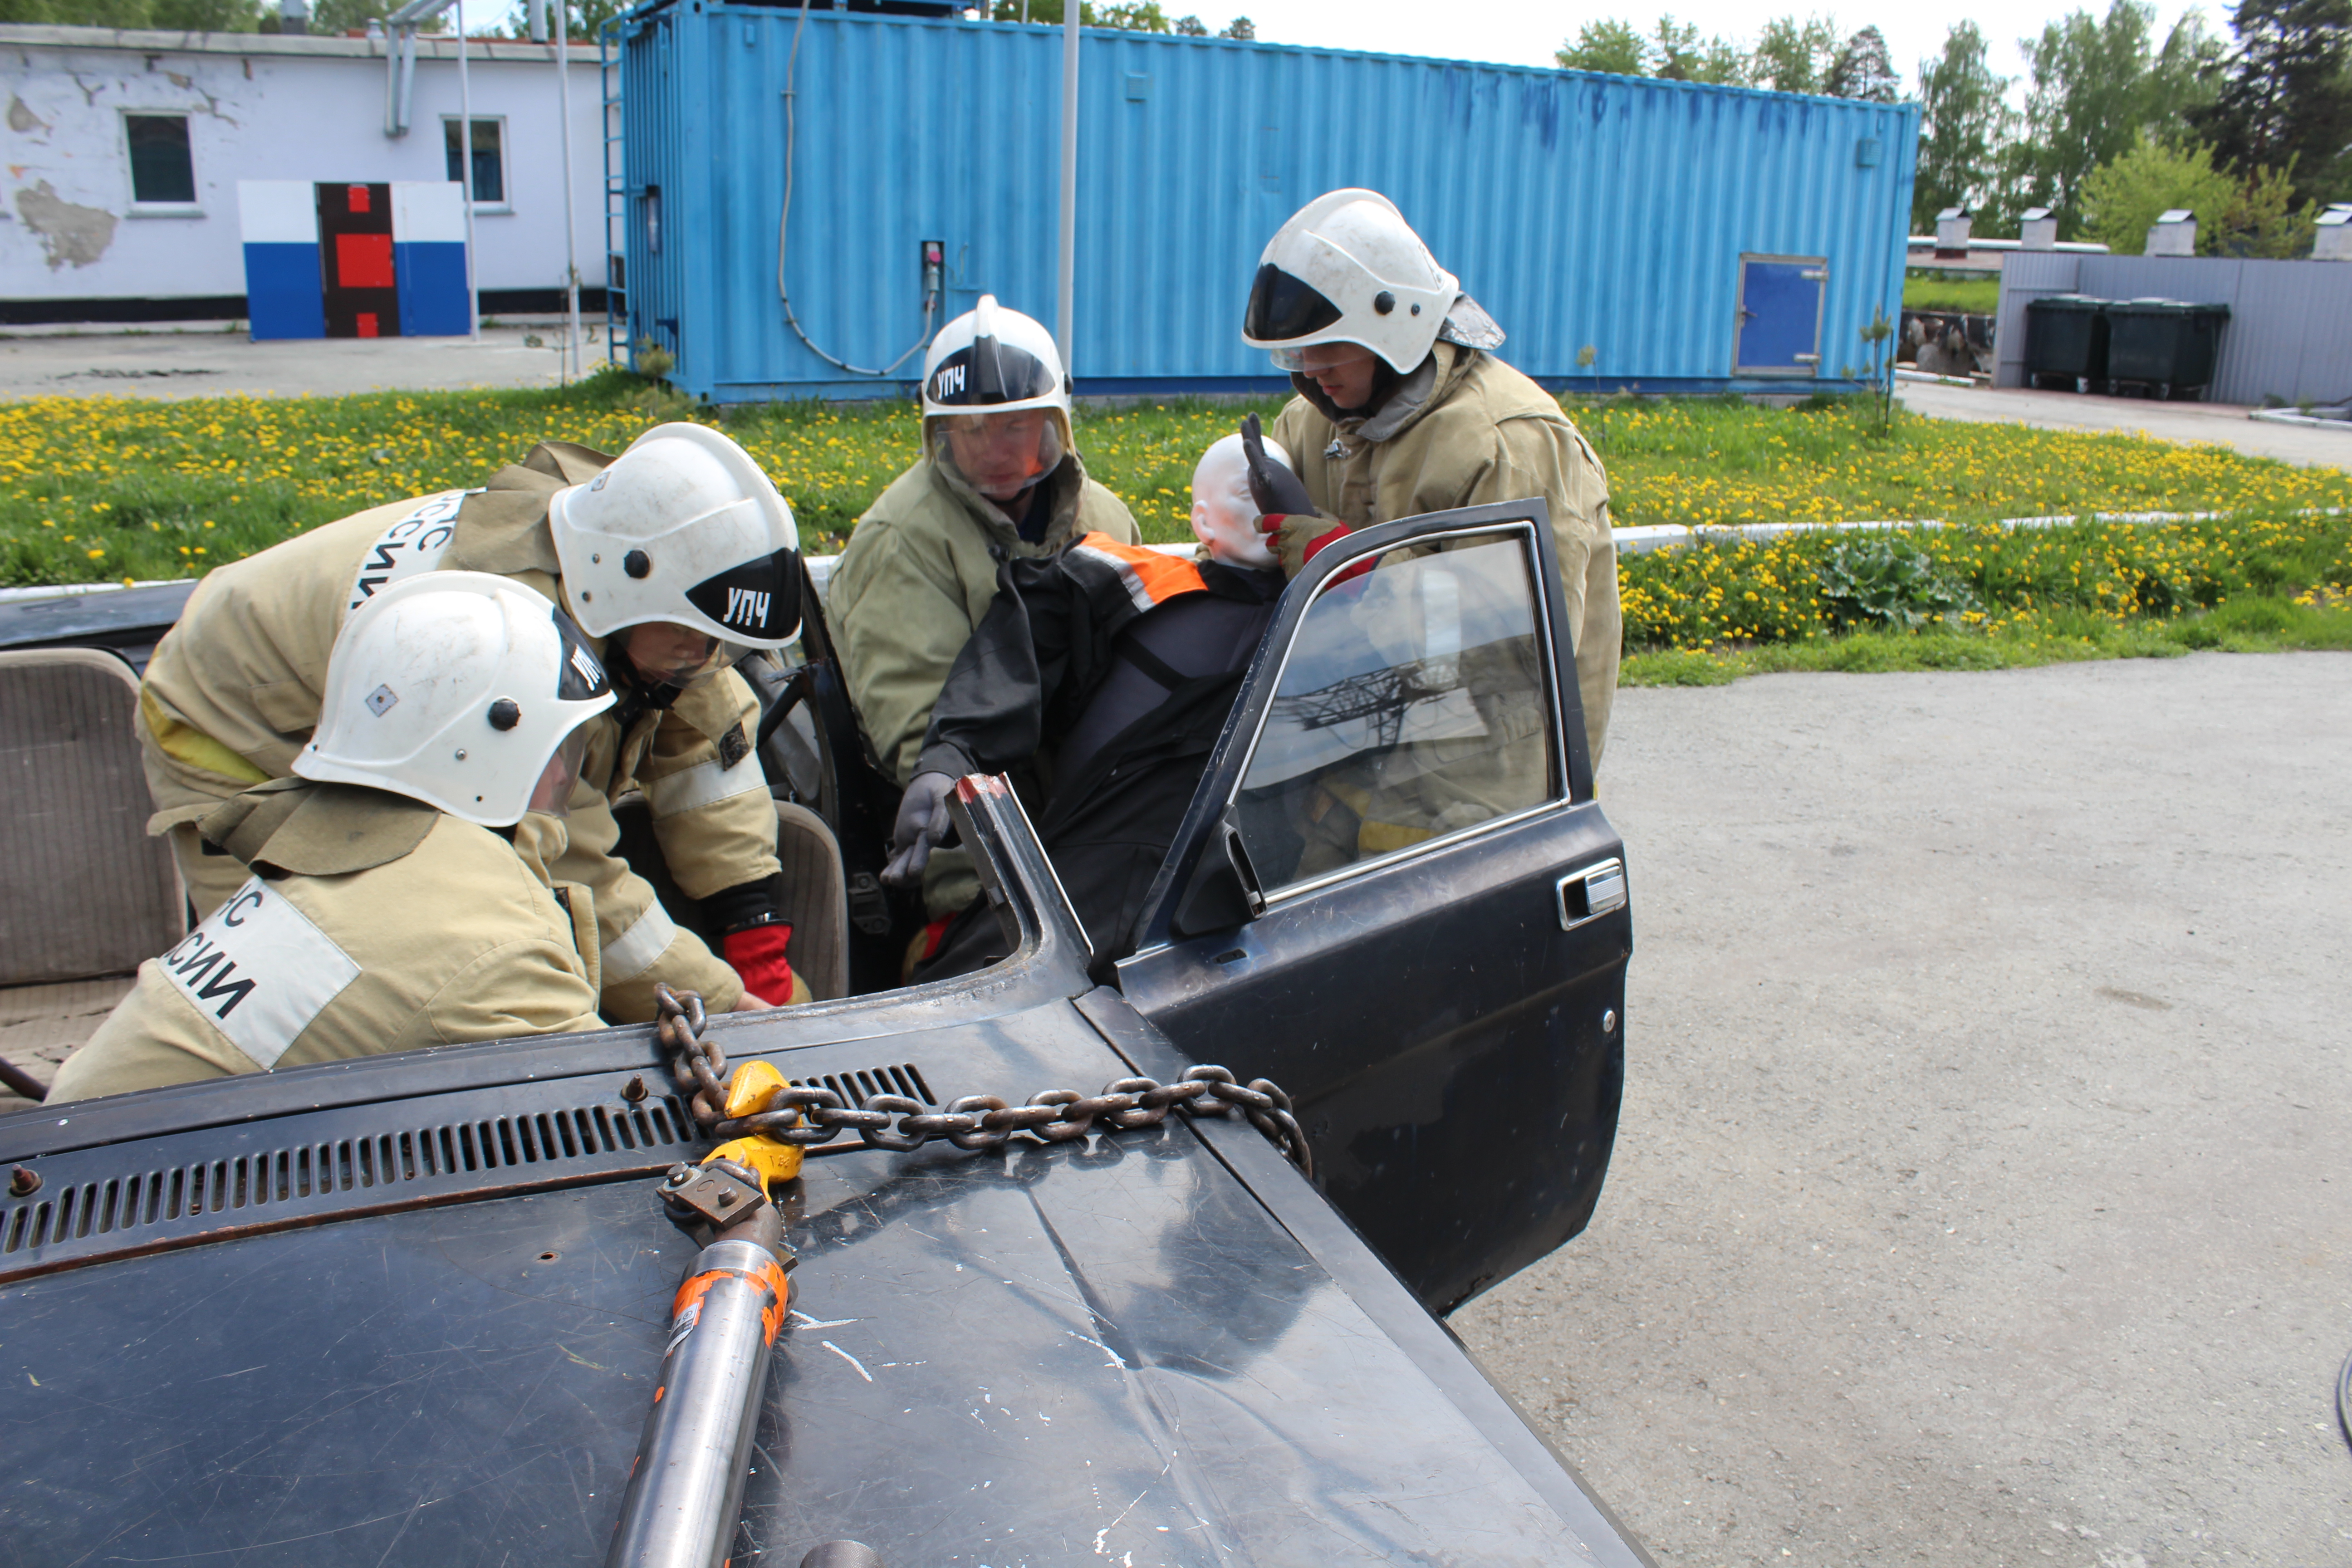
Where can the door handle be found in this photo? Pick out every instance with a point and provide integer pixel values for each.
(1587, 895)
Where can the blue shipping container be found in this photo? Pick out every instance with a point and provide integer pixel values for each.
(1695, 238)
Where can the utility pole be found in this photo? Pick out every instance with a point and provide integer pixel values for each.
(466, 168)
(1066, 314)
(570, 225)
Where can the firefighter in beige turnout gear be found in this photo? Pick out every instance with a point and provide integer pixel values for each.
(675, 557)
(1402, 408)
(1000, 477)
(399, 896)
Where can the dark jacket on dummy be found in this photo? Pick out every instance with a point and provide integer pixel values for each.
(1115, 667)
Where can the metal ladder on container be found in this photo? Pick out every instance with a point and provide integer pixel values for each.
(617, 194)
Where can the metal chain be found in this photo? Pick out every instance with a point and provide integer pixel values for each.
(810, 1114)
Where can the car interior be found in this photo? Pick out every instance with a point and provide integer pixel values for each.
(92, 895)
(1411, 704)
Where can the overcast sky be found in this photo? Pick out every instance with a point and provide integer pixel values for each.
(1519, 32)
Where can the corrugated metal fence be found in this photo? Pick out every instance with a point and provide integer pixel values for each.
(1581, 210)
(2290, 330)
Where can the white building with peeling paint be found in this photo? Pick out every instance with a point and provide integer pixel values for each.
(121, 154)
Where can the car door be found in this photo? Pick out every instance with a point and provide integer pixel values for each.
(1396, 896)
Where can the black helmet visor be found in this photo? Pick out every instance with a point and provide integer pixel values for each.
(988, 372)
(1282, 307)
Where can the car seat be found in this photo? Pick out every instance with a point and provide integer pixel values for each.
(814, 896)
(86, 895)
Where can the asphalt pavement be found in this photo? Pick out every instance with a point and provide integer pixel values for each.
(1982, 1197)
(208, 362)
(2216, 424)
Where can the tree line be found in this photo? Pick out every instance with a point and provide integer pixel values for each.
(1791, 55)
(2113, 126)
(2252, 134)
(1144, 17)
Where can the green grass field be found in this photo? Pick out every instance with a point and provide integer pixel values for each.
(2259, 622)
(1976, 296)
(99, 489)
(113, 488)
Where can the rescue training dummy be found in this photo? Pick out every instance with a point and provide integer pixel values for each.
(676, 558)
(400, 893)
(999, 478)
(1118, 665)
(1402, 408)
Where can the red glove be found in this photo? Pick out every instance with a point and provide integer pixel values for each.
(1314, 545)
(758, 957)
(1286, 534)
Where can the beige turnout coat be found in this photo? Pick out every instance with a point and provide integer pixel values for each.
(910, 589)
(1466, 430)
(370, 923)
(233, 690)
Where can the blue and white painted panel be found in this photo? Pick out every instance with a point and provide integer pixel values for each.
(285, 292)
(428, 255)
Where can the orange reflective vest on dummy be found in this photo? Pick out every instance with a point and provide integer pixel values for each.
(1104, 673)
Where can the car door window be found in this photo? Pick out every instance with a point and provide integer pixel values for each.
(1413, 703)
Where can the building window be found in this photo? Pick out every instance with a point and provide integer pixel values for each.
(161, 169)
(489, 158)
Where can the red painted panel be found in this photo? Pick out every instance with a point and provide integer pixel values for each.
(363, 261)
(358, 198)
(367, 324)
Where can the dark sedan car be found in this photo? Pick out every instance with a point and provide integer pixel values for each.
(410, 1309)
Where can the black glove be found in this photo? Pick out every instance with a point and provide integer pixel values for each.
(923, 826)
(1276, 490)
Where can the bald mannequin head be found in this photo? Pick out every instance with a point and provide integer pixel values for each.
(1223, 513)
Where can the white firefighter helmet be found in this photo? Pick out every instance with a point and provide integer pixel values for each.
(1347, 268)
(456, 689)
(987, 364)
(682, 528)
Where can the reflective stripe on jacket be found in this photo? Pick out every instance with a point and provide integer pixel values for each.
(240, 679)
(1045, 641)
(373, 924)
(1122, 664)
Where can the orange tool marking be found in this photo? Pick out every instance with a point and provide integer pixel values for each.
(769, 1276)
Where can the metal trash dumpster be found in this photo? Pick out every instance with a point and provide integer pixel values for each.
(2066, 341)
(2168, 346)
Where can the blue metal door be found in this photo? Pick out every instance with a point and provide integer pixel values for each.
(1780, 315)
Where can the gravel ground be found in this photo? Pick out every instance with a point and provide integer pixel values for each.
(1981, 1196)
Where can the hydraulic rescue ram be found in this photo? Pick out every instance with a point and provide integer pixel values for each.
(686, 1487)
(685, 1495)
